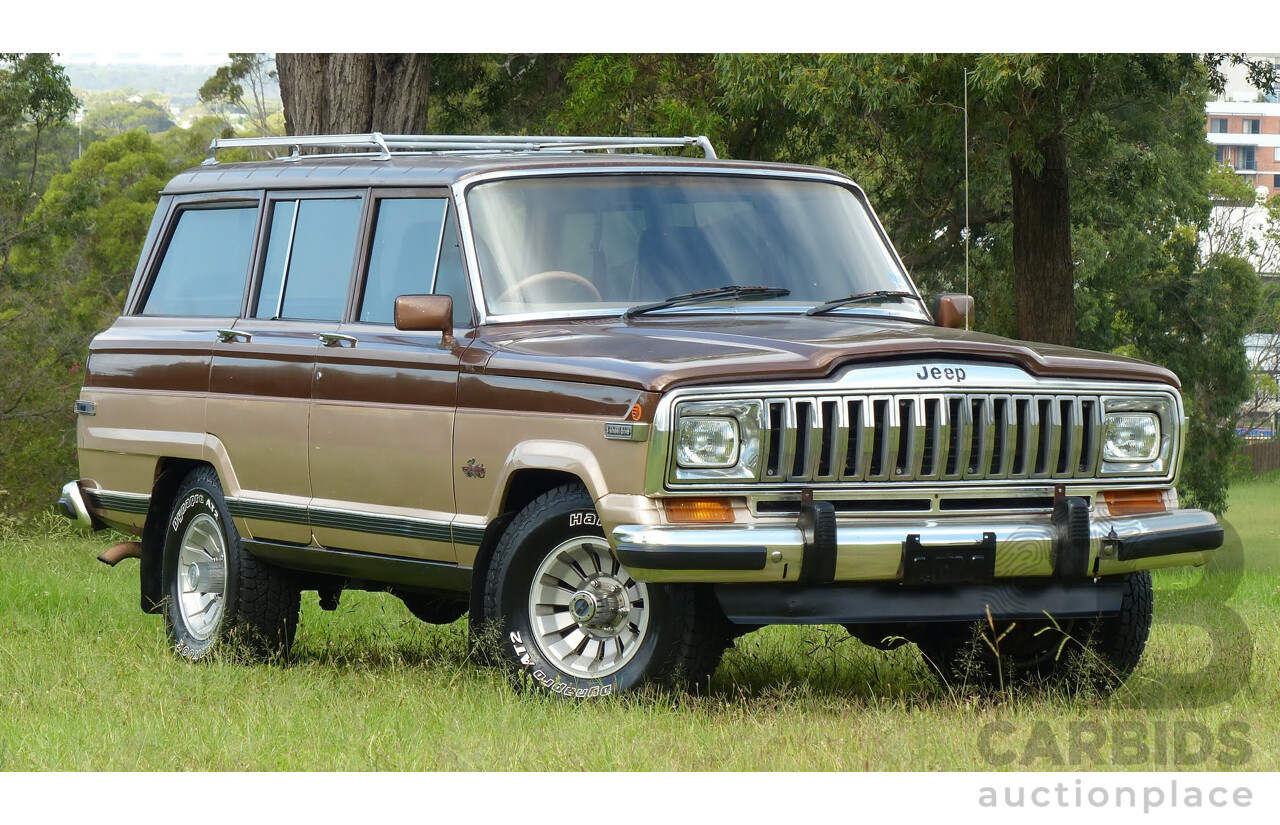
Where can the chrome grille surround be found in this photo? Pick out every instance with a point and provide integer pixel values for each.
(872, 427)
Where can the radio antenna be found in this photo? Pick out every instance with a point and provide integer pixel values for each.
(966, 192)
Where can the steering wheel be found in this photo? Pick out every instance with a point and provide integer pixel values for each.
(549, 275)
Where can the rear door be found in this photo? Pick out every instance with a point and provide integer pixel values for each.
(263, 370)
(383, 410)
(149, 374)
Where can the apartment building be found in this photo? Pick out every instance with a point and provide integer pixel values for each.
(1246, 137)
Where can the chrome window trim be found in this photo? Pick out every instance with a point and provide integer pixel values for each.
(461, 187)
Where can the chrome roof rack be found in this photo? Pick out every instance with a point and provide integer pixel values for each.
(385, 145)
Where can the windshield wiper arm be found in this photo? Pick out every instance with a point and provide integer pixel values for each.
(702, 296)
(858, 298)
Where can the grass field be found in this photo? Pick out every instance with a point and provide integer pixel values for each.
(87, 682)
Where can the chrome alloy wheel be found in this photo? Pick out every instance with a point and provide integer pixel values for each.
(202, 576)
(588, 615)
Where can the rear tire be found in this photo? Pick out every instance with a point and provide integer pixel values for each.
(570, 619)
(217, 595)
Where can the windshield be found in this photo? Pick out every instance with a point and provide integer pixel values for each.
(601, 243)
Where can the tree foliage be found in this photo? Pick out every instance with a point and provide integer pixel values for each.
(67, 281)
(242, 85)
(124, 116)
(35, 96)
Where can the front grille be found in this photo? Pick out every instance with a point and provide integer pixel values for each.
(931, 437)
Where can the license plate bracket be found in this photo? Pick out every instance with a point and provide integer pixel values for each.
(943, 565)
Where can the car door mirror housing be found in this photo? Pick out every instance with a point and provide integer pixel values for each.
(426, 313)
(952, 310)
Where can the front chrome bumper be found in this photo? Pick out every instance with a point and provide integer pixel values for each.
(882, 550)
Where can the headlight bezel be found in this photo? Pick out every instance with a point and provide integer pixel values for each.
(1163, 410)
(747, 415)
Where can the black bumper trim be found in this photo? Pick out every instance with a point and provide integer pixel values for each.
(1071, 546)
(817, 525)
(1171, 542)
(643, 557)
(119, 502)
(756, 604)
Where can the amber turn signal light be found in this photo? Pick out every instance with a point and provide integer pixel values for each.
(699, 511)
(1134, 502)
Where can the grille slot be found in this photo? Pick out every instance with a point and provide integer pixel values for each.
(912, 437)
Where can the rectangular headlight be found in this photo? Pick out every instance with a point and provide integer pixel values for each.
(710, 441)
(1131, 436)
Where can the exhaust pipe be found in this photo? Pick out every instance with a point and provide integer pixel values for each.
(120, 552)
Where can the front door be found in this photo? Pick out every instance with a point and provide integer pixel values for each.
(383, 407)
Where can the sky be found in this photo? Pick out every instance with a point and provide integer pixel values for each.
(91, 27)
(144, 58)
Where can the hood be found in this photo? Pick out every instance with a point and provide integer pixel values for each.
(660, 353)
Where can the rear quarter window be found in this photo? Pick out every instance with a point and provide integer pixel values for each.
(205, 264)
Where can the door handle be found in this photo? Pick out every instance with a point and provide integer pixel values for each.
(336, 339)
(226, 336)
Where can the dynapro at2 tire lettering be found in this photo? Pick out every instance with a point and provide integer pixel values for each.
(216, 593)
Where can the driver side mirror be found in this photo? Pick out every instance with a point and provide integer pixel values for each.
(953, 310)
(427, 313)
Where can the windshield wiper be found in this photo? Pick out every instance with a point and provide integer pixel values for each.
(857, 298)
(702, 296)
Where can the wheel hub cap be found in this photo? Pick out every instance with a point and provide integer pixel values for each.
(202, 576)
(588, 615)
(598, 606)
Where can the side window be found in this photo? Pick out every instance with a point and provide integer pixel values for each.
(205, 263)
(414, 252)
(402, 257)
(450, 277)
(308, 261)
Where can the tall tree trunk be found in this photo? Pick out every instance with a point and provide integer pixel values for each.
(326, 94)
(1043, 274)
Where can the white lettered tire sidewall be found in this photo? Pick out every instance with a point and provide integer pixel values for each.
(546, 524)
(198, 501)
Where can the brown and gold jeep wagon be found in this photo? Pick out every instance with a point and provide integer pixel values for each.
(621, 408)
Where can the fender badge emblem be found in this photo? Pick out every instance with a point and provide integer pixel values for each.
(473, 470)
(618, 431)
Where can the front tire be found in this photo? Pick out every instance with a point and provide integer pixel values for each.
(217, 594)
(573, 622)
(1099, 654)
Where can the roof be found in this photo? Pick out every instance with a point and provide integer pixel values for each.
(433, 169)
(1219, 108)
